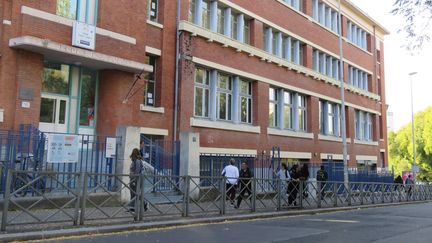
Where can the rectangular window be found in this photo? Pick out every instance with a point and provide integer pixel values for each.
(247, 31)
(150, 80)
(288, 110)
(205, 14)
(301, 104)
(88, 96)
(191, 15)
(358, 78)
(358, 125)
(202, 92)
(224, 97)
(221, 20)
(273, 107)
(81, 10)
(67, 8)
(234, 25)
(153, 10)
(245, 95)
(56, 78)
(357, 35)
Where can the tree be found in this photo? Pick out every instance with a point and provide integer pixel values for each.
(401, 146)
(417, 15)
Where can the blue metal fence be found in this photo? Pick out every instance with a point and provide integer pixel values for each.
(26, 149)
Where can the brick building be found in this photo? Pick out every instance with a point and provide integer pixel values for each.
(252, 74)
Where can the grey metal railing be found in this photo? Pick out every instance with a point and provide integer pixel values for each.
(133, 198)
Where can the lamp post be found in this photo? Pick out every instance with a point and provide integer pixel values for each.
(342, 90)
(414, 168)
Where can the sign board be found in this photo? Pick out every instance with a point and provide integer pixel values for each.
(110, 148)
(84, 35)
(63, 148)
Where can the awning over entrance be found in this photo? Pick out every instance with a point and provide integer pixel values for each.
(73, 55)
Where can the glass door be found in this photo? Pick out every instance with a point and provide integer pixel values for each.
(54, 114)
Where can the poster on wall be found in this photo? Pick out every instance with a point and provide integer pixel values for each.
(63, 148)
(110, 148)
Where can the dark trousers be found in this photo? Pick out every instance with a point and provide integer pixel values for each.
(322, 188)
(133, 187)
(293, 188)
(244, 188)
(230, 192)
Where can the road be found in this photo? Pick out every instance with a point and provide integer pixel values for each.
(408, 223)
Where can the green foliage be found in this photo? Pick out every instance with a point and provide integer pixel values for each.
(401, 146)
(418, 16)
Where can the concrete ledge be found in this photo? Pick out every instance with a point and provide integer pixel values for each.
(43, 235)
(224, 126)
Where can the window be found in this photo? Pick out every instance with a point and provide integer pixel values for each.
(56, 78)
(288, 110)
(191, 15)
(67, 8)
(81, 10)
(358, 78)
(325, 15)
(234, 25)
(245, 95)
(221, 21)
(273, 107)
(301, 105)
(224, 97)
(202, 92)
(294, 3)
(205, 14)
(247, 31)
(283, 46)
(153, 10)
(326, 64)
(88, 96)
(363, 126)
(357, 35)
(150, 78)
(330, 119)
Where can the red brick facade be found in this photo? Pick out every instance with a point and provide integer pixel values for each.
(24, 69)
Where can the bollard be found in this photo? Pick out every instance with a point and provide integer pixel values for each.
(301, 194)
(319, 192)
(84, 199)
(361, 194)
(78, 198)
(186, 185)
(349, 194)
(335, 194)
(279, 194)
(223, 196)
(254, 194)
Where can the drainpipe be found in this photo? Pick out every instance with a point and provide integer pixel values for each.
(177, 64)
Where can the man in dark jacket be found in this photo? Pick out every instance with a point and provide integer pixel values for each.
(293, 185)
(245, 183)
(322, 177)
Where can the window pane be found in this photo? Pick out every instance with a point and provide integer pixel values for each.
(287, 117)
(206, 102)
(249, 111)
(153, 10)
(234, 26)
(62, 115)
(221, 21)
(246, 32)
(150, 94)
(88, 95)
(192, 11)
(198, 101)
(56, 78)
(48, 110)
(272, 115)
(222, 106)
(229, 100)
(244, 109)
(205, 15)
(67, 8)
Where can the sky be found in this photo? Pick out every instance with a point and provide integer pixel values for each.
(399, 63)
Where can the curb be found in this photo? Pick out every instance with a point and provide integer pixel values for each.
(95, 230)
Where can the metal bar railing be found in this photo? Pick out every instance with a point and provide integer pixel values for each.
(80, 199)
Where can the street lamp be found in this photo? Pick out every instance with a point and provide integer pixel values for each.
(414, 168)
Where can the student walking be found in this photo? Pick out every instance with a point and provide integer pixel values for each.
(135, 170)
(231, 173)
(285, 177)
(245, 183)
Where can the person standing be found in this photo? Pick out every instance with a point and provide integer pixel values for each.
(293, 185)
(245, 183)
(322, 178)
(398, 183)
(304, 176)
(231, 173)
(135, 170)
(409, 183)
(285, 177)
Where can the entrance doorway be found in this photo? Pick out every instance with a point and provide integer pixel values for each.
(54, 114)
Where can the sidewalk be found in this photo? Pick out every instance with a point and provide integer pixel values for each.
(174, 221)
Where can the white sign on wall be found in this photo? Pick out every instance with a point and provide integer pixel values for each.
(110, 148)
(63, 148)
(84, 35)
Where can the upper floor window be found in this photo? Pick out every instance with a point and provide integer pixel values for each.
(330, 118)
(153, 10)
(357, 35)
(287, 110)
(202, 92)
(296, 4)
(325, 15)
(358, 78)
(81, 10)
(224, 97)
(363, 126)
(326, 64)
(218, 18)
(245, 101)
(150, 85)
(283, 46)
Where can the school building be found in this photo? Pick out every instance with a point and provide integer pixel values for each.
(251, 75)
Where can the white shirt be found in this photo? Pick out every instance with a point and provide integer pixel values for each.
(284, 175)
(231, 173)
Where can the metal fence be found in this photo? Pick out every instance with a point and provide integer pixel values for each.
(124, 198)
